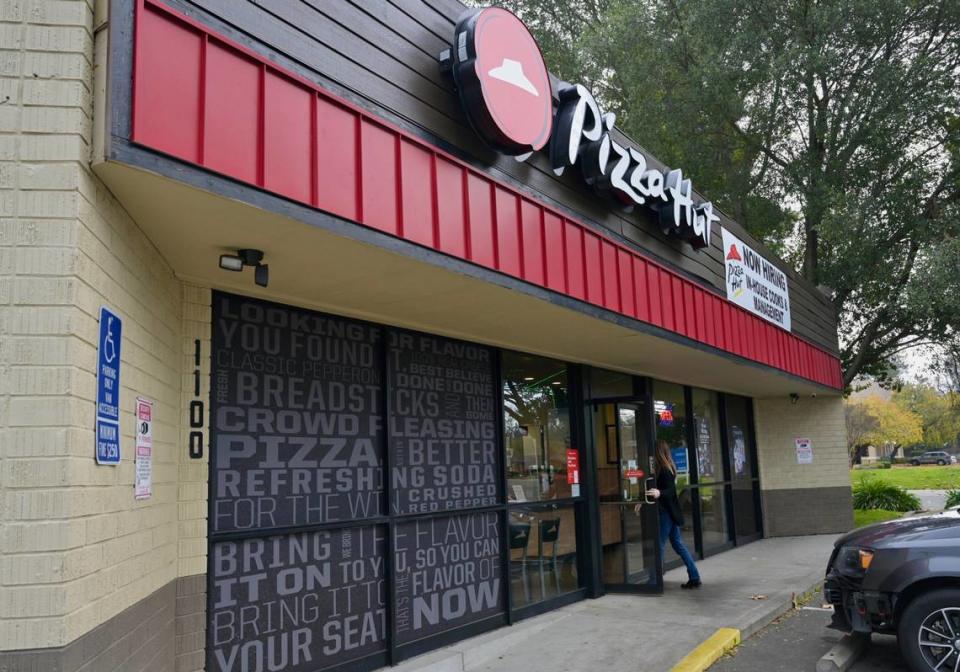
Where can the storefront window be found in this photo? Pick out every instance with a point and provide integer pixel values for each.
(536, 419)
(670, 416)
(706, 432)
(742, 468)
(713, 517)
(670, 419)
(543, 553)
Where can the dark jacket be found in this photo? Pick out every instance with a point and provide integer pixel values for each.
(669, 501)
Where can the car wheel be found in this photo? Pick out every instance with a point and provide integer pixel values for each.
(941, 462)
(929, 631)
(915, 463)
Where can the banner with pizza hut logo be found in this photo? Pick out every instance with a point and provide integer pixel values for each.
(754, 283)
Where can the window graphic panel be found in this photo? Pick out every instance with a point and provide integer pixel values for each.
(297, 602)
(448, 573)
(443, 428)
(296, 419)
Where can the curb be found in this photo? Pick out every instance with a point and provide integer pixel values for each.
(709, 651)
(844, 654)
(727, 639)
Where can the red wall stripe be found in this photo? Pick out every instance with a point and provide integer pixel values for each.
(690, 311)
(337, 165)
(640, 283)
(168, 62)
(378, 181)
(416, 193)
(287, 164)
(626, 286)
(679, 314)
(450, 209)
(232, 113)
(593, 265)
(531, 243)
(654, 291)
(611, 277)
(573, 254)
(554, 234)
(508, 233)
(204, 99)
(480, 221)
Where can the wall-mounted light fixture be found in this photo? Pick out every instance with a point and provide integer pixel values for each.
(247, 257)
(794, 397)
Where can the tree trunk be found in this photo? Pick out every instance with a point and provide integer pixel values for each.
(810, 253)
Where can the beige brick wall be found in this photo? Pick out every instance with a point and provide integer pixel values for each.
(801, 499)
(192, 481)
(779, 422)
(75, 547)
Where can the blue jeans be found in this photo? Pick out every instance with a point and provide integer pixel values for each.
(670, 530)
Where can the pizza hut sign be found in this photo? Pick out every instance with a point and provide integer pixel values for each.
(505, 90)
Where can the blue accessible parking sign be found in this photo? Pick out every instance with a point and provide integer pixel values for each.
(108, 388)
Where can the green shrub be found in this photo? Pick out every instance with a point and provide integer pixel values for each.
(875, 493)
(883, 465)
(953, 498)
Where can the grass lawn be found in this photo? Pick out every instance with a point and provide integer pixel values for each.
(914, 478)
(864, 517)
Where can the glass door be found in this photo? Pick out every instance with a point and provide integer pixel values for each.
(628, 516)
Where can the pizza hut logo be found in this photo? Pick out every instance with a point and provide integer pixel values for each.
(505, 90)
(503, 81)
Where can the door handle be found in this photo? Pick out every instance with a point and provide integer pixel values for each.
(647, 498)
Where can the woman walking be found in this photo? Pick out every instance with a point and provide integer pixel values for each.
(671, 515)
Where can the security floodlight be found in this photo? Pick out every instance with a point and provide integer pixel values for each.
(261, 275)
(229, 262)
(247, 257)
(250, 257)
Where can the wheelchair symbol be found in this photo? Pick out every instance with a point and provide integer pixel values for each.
(109, 347)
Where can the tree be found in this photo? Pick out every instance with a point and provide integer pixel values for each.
(895, 426)
(860, 424)
(946, 365)
(828, 129)
(939, 416)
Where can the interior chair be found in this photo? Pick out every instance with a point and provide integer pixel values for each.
(549, 534)
(519, 541)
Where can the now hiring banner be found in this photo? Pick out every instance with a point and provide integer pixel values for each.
(754, 283)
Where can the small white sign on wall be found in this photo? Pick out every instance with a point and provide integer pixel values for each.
(143, 472)
(804, 451)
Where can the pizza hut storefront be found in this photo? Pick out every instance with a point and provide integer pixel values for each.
(435, 313)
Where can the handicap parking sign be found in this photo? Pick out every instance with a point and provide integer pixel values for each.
(108, 388)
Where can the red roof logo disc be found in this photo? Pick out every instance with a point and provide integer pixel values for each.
(503, 81)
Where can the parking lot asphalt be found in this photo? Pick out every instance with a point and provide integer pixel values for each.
(797, 640)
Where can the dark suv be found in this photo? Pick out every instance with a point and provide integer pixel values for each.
(902, 577)
(933, 457)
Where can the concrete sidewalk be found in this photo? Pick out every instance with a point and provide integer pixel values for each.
(931, 500)
(621, 633)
